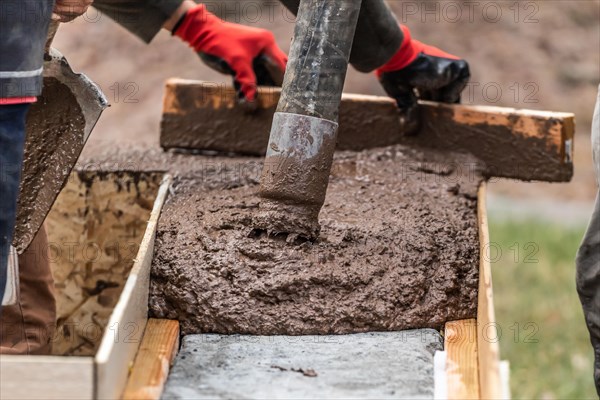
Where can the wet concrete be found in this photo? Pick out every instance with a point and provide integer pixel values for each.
(296, 174)
(54, 142)
(398, 247)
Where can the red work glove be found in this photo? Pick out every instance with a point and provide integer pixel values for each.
(250, 55)
(419, 71)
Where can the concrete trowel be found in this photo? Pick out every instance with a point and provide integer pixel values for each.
(58, 126)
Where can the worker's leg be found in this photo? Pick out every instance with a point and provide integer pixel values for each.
(28, 326)
(378, 35)
(588, 284)
(12, 143)
(588, 259)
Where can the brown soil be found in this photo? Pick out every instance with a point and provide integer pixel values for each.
(398, 248)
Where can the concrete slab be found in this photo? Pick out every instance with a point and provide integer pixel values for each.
(390, 365)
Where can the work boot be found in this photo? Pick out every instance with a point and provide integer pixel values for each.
(28, 326)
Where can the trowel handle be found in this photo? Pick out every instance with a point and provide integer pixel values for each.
(51, 33)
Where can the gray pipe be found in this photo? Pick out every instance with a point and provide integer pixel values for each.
(319, 57)
(303, 135)
(378, 36)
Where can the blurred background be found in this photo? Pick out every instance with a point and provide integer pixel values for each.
(523, 54)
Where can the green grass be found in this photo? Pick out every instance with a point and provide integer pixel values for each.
(535, 295)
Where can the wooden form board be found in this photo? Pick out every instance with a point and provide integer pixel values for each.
(462, 365)
(128, 321)
(153, 361)
(108, 213)
(105, 376)
(472, 351)
(518, 144)
(487, 335)
(51, 377)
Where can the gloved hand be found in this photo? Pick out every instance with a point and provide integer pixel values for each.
(68, 10)
(250, 55)
(419, 71)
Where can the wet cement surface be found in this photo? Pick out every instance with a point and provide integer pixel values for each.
(294, 181)
(54, 142)
(398, 247)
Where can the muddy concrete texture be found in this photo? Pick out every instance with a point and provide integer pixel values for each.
(54, 142)
(398, 247)
(296, 174)
(517, 144)
(385, 365)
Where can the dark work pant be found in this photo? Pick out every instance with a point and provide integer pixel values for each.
(588, 259)
(588, 285)
(12, 143)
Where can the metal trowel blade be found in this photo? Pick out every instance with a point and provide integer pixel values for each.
(58, 126)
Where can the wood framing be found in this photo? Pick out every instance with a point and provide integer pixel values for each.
(518, 144)
(107, 212)
(488, 349)
(462, 365)
(152, 363)
(128, 321)
(473, 367)
(41, 377)
(105, 375)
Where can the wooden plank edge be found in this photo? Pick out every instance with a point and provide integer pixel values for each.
(490, 382)
(462, 364)
(226, 90)
(121, 329)
(542, 140)
(568, 140)
(107, 341)
(156, 355)
(46, 377)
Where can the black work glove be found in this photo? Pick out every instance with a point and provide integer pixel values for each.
(418, 71)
